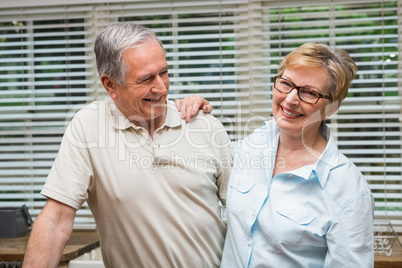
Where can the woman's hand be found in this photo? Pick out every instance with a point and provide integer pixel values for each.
(189, 106)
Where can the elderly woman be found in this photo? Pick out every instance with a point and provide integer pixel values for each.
(301, 203)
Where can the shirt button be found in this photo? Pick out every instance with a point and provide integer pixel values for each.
(253, 213)
(249, 243)
(292, 212)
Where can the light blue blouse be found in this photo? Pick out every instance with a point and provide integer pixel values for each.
(316, 216)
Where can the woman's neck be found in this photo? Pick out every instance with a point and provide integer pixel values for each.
(295, 151)
(302, 142)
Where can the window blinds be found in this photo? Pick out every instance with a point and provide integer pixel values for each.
(228, 51)
(45, 71)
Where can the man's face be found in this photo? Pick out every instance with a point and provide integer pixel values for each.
(143, 98)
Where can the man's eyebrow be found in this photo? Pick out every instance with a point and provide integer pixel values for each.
(165, 68)
(145, 76)
(148, 75)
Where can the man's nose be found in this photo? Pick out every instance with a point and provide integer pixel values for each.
(160, 85)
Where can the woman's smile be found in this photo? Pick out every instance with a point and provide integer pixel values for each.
(290, 113)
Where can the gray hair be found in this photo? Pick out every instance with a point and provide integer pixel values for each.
(113, 41)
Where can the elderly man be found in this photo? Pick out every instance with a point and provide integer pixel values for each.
(152, 181)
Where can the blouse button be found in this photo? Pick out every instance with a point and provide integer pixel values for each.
(292, 212)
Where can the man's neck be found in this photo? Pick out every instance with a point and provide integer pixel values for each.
(151, 125)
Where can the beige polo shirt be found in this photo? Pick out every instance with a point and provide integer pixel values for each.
(155, 202)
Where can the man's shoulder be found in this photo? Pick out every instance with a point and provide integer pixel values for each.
(94, 109)
(202, 119)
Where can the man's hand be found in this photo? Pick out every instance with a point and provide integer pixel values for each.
(189, 106)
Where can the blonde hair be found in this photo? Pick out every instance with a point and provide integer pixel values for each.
(340, 66)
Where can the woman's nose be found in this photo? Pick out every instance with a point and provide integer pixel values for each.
(293, 97)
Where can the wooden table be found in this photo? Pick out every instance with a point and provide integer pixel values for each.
(13, 249)
(393, 261)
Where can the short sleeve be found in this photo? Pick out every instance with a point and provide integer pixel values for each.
(71, 172)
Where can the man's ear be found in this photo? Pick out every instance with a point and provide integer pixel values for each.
(109, 85)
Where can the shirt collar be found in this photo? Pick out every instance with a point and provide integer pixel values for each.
(119, 121)
(173, 118)
(325, 163)
(328, 160)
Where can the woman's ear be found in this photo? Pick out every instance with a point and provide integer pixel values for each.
(109, 85)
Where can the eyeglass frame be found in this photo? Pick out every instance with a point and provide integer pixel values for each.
(320, 96)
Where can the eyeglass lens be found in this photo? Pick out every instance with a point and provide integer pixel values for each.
(304, 94)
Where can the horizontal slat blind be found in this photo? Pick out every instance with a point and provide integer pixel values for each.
(207, 44)
(45, 71)
(227, 50)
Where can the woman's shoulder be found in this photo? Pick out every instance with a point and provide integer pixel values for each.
(261, 138)
(346, 180)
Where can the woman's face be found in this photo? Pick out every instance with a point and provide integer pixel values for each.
(293, 115)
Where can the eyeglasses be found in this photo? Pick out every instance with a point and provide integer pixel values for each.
(304, 94)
